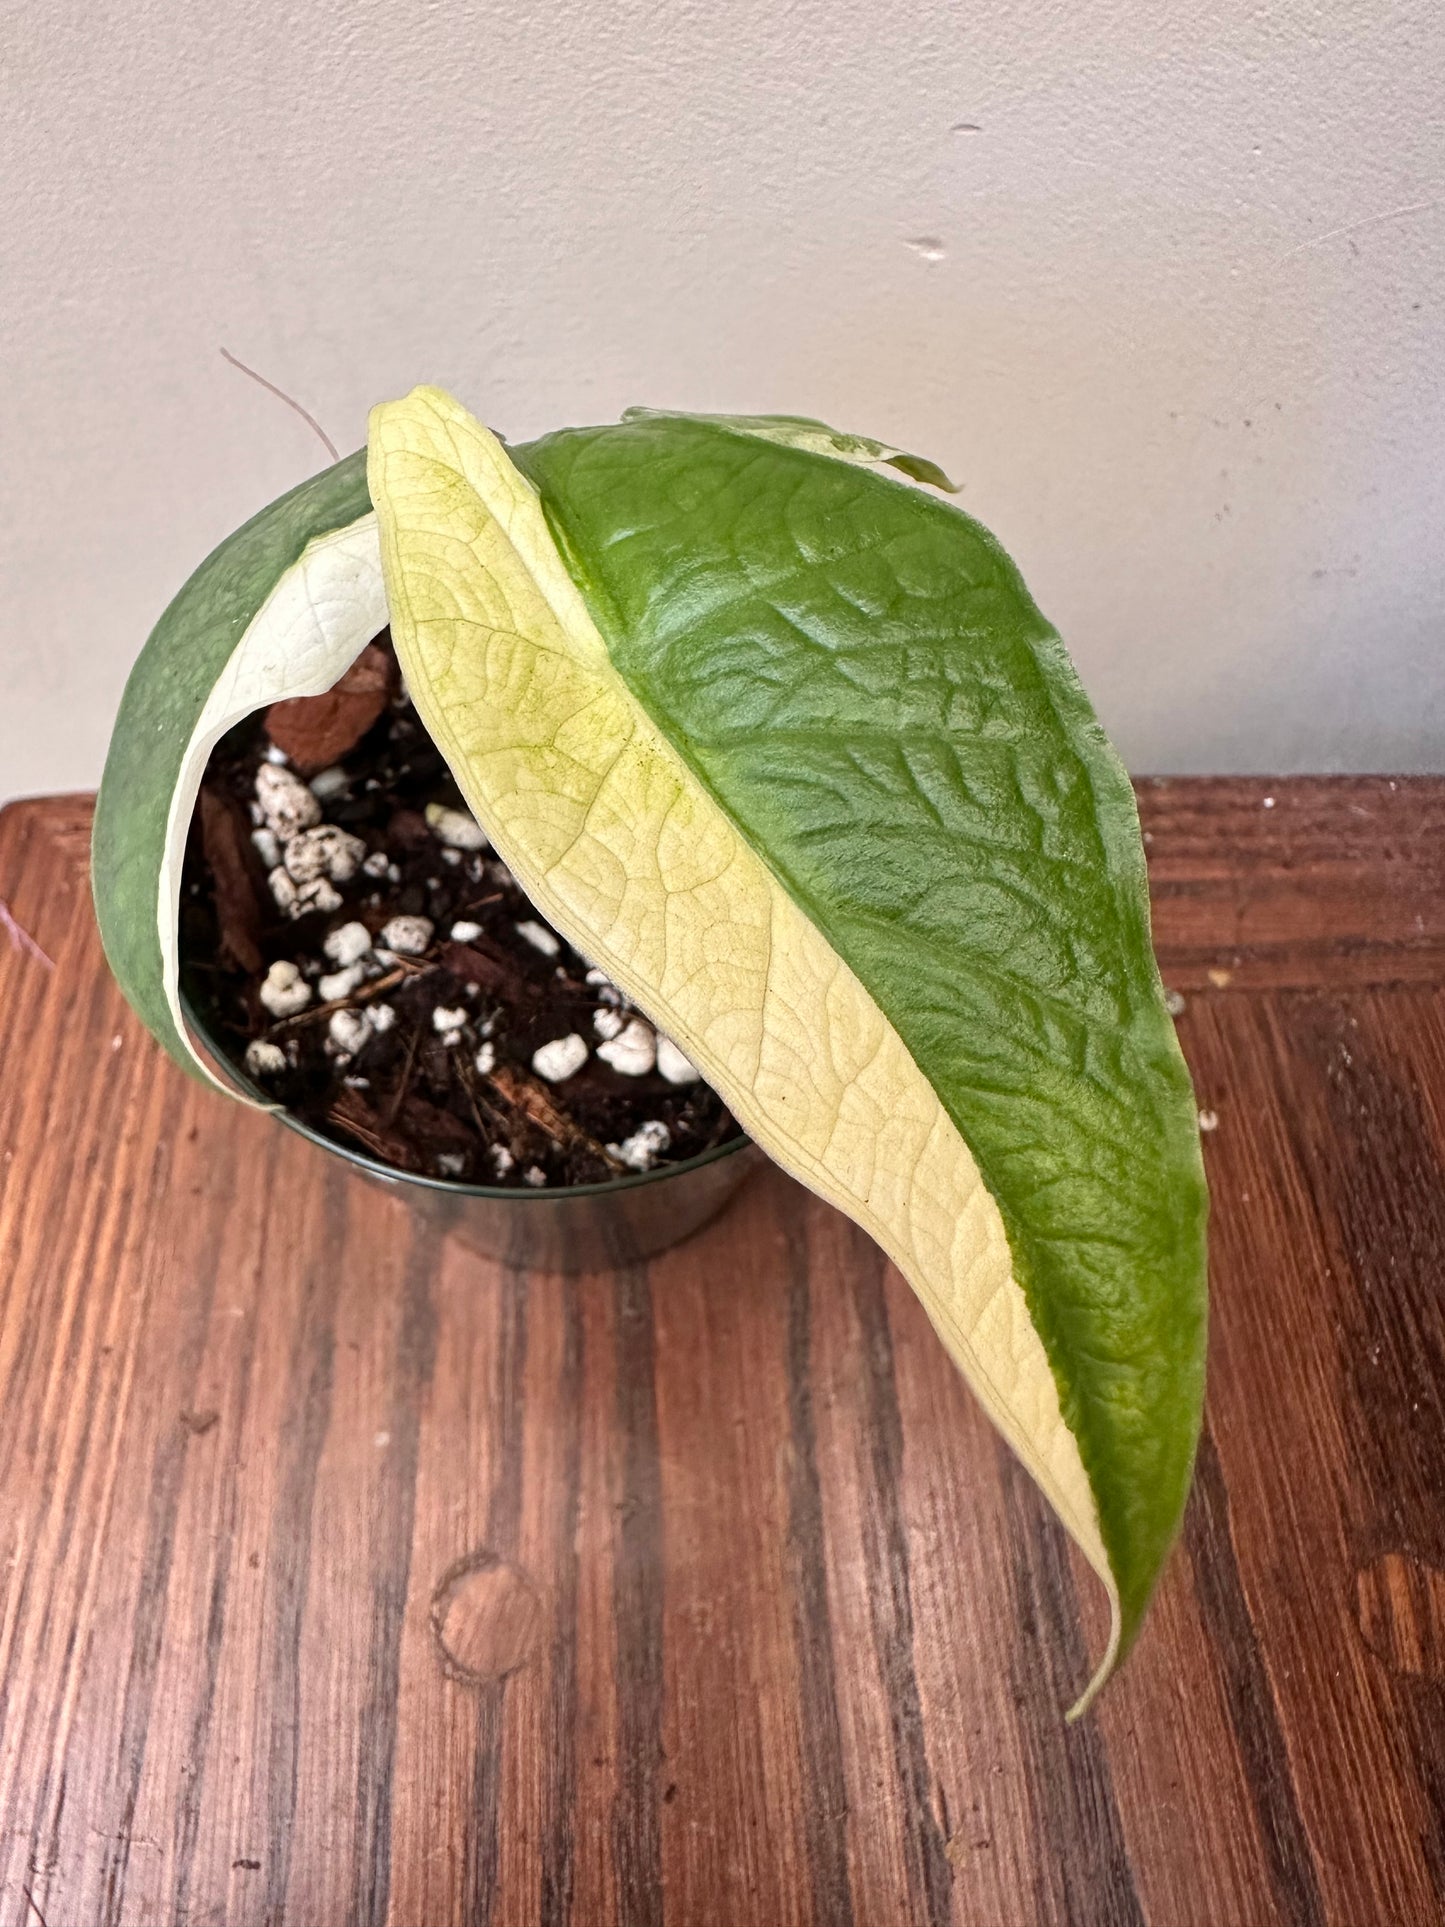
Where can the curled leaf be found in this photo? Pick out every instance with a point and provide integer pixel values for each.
(282, 608)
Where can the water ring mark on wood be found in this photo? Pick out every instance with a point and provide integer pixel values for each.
(486, 1616)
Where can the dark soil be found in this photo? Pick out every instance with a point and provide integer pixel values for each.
(408, 1096)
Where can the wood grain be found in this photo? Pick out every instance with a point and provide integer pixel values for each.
(347, 1578)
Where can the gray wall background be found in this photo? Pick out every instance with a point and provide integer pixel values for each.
(1162, 285)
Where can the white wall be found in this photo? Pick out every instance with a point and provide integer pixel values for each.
(1183, 335)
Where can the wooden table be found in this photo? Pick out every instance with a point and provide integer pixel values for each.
(347, 1578)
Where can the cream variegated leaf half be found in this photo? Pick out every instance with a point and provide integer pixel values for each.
(307, 633)
(621, 846)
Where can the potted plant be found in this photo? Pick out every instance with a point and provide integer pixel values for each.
(782, 746)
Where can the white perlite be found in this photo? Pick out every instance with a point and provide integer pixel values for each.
(465, 932)
(607, 1022)
(295, 899)
(607, 991)
(535, 1176)
(451, 1164)
(382, 1017)
(284, 993)
(267, 847)
(646, 1145)
(676, 1068)
(286, 803)
(348, 1030)
(486, 1060)
(560, 1059)
(408, 936)
(457, 829)
(324, 851)
(502, 1160)
(263, 1059)
(448, 1021)
(377, 864)
(539, 936)
(347, 944)
(633, 1051)
(330, 782)
(339, 983)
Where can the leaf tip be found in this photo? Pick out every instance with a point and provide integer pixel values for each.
(1108, 1663)
(918, 468)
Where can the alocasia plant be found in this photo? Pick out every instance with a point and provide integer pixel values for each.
(783, 744)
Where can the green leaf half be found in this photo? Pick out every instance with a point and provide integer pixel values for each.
(282, 608)
(786, 747)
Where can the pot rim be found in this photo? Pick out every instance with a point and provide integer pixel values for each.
(455, 1187)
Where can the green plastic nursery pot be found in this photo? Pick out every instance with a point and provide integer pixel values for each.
(587, 1227)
